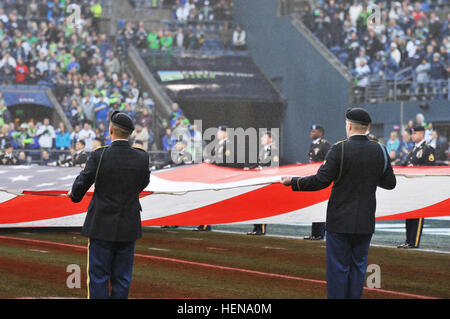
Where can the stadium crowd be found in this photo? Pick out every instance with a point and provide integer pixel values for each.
(39, 46)
(195, 25)
(410, 35)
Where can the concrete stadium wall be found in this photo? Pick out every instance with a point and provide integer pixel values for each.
(315, 91)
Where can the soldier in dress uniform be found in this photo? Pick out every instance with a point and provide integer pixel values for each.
(216, 153)
(8, 158)
(268, 157)
(422, 154)
(317, 151)
(180, 155)
(113, 222)
(79, 158)
(356, 167)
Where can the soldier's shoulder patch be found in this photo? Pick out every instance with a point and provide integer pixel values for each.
(431, 158)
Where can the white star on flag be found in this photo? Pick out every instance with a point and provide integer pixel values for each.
(67, 177)
(20, 178)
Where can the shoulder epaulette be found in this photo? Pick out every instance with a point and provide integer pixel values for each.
(101, 147)
(138, 148)
(340, 142)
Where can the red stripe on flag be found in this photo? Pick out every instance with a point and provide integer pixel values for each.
(29, 208)
(437, 210)
(268, 201)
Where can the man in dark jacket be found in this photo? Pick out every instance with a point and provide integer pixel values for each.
(113, 222)
(357, 166)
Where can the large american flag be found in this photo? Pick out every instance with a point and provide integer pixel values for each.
(33, 196)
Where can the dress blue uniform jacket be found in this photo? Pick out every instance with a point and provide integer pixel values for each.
(114, 211)
(352, 204)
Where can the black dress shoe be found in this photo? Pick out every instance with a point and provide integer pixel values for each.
(313, 237)
(406, 246)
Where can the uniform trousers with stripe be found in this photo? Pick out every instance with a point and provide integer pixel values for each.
(414, 229)
(109, 268)
(346, 264)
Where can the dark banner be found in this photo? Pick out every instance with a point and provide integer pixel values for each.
(25, 95)
(211, 77)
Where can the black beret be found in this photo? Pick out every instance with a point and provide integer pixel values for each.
(82, 142)
(418, 128)
(122, 120)
(317, 127)
(8, 145)
(358, 115)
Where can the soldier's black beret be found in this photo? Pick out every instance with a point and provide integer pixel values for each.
(122, 120)
(317, 127)
(358, 115)
(418, 128)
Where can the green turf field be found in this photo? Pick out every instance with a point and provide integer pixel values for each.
(180, 263)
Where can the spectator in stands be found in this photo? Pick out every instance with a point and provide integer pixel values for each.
(46, 134)
(101, 110)
(406, 146)
(153, 39)
(96, 11)
(395, 53)
(179, 38)
(87, 135)
(423, 78)
(4, 135)
(33, 76)
(362, 72)
(438, 73)
(62, 141)
(8, 157)
(239, 39)
(21, 71)
(46, 160)
(148, 101)
(439, 143)
(175, 115)
(393, 143)
(168, 141)
(166, 41)
(145, 119)
(5, 115)
(140, 133)
(22, 158)
(395, 160)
